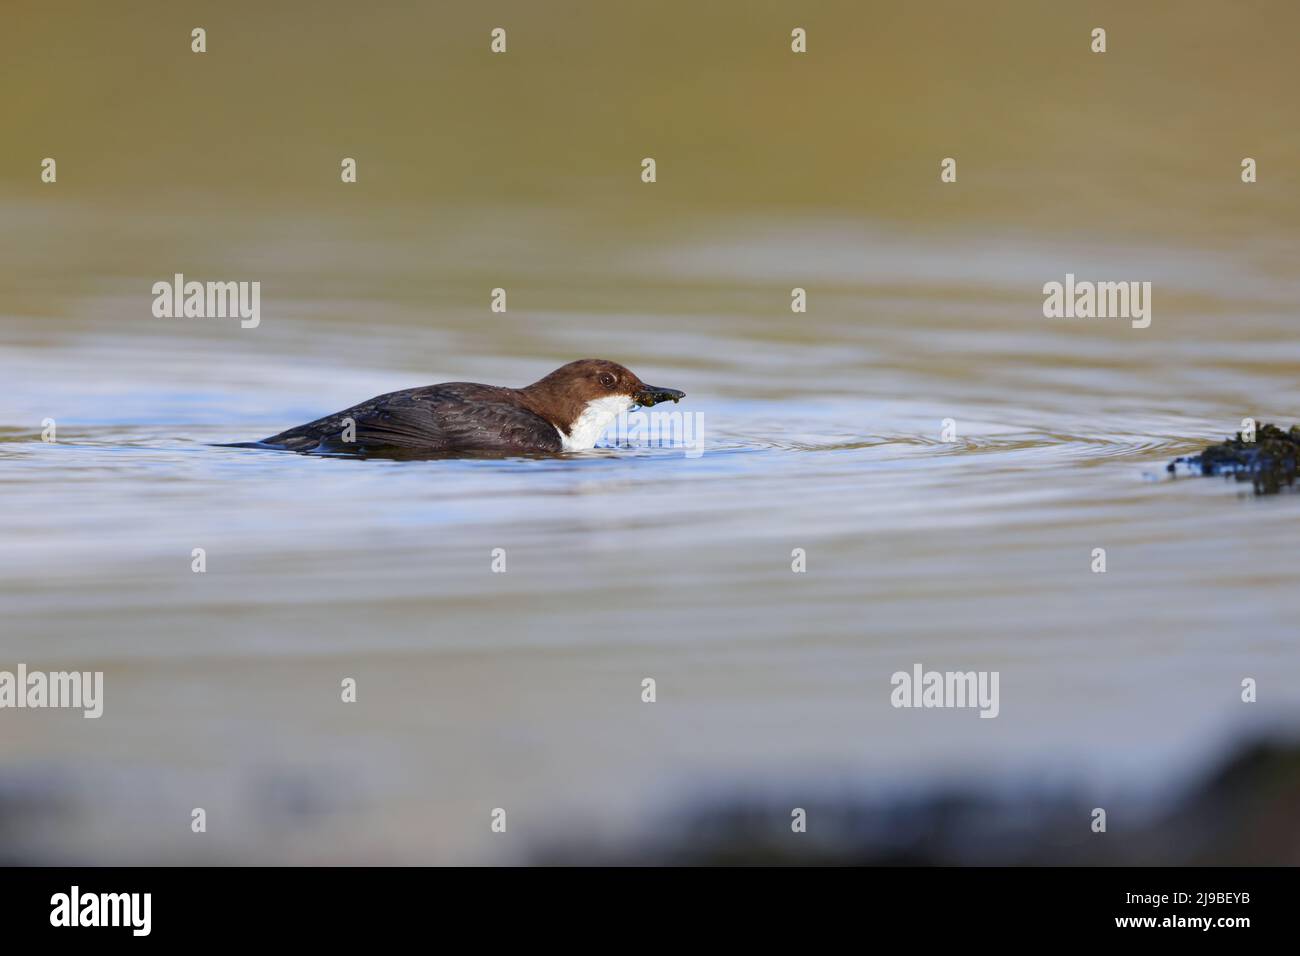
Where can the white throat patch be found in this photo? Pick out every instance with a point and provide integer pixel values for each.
(591, 424)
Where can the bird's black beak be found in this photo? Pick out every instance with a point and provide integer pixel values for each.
(649, 395)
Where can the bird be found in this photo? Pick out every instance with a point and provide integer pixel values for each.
(567, 410)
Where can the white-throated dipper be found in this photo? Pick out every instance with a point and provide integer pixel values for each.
(568, 410)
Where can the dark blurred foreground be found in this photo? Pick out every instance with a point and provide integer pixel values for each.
(1246, 812)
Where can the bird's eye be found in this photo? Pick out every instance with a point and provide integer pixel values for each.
(607, 380)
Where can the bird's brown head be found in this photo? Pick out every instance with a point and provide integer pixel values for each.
(589, 394)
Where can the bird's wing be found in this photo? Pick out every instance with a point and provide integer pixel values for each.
(451, 423)
(427, 419)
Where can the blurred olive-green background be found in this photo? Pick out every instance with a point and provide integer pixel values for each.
(1047, 134)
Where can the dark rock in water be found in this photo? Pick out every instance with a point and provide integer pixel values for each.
(1269, 462)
